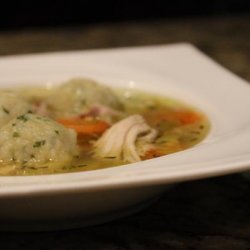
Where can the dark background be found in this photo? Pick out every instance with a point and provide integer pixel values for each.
(57, 13)
(211, 214)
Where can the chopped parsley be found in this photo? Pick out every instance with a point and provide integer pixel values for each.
(32, 168)
(110, 157)
(77, 166)
(151, 106)
(35, 168)
(6, 111)
(193, 139)
(38, 144)
(57, 132)
(23, 118)
(16, 134)
(82, 165)
(162, 141)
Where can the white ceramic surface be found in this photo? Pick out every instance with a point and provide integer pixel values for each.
(179, 71)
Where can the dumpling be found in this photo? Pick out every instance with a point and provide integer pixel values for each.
(77, 96)
(12, 105)
(33, 140)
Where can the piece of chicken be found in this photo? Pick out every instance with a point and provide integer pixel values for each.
(127, 140)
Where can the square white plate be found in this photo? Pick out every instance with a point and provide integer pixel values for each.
(178, 71)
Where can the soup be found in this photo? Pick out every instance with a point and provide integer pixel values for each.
(83, 125)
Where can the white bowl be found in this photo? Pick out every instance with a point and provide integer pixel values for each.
(180, 71)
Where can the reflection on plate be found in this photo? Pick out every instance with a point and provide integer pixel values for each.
(179, 71)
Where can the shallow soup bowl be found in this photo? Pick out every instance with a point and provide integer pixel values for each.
(70, 200)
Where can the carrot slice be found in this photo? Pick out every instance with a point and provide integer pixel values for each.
(152, 153)
(184, 117)
(187, 117)
(86, 127)
(163, 149)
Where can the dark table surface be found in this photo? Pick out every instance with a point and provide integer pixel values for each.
(205, 214)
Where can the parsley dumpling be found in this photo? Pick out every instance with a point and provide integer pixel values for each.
(32, 140)
(78, 95)
(12, 105)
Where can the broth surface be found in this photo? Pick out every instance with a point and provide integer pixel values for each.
(178, 127)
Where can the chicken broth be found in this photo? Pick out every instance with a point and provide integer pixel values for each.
(82, 125)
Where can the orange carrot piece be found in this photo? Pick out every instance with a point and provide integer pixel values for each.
(82, 126)
(162, 150)
(152, 153)
(188, 117)
(184, 117)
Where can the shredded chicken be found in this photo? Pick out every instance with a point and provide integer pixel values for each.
(127, 140)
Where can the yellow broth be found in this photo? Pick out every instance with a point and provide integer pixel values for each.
(179, 126)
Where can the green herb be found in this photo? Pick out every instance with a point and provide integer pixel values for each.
(32, 156)
(82, 165)
(110, 157)
(201, 127)
(57, 132)
(5, 110)
(16, 134)
(76, 166)
(43, 167)
(162, 142)
(29, 112)
(38, 144)
(151, 107)
(13, 124)
(193, 139)
(22, 118)
(32, 168)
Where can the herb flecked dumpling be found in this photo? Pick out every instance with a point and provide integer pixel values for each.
(78, 95)
(11, 105)
(35, 140)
